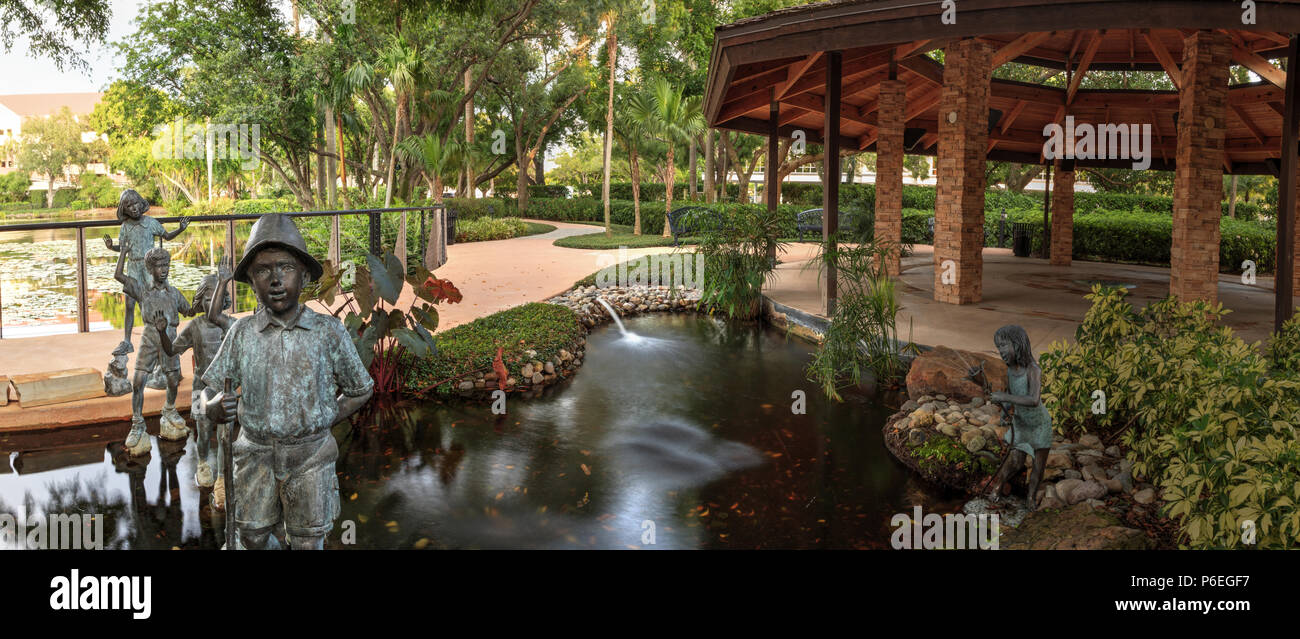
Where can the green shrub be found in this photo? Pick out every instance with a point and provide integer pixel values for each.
(1198, 409)
(62, 198)
(545, 328)
(13, 186)
(261, 206)
(79, 205)
(486, 228)
(468, 209)
(1284, 348)
(548, 190)
(98, 190)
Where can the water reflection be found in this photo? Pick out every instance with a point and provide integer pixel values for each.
(693, 439)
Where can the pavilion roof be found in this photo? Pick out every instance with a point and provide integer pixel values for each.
(784, 52)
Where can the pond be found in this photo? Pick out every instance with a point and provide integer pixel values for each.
(685, 431)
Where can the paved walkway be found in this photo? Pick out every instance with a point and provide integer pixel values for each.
(1048, 301)
(493, 276)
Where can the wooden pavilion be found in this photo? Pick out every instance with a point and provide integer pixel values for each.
(855, 75)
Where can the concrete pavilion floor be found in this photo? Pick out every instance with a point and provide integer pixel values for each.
(493, 276)
(1048, 301)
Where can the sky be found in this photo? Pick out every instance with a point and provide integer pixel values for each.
(25, 74)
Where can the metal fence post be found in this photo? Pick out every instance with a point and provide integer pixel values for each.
(374, 234)
(230, 251)
(83, 319)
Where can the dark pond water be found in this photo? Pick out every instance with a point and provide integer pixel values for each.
(686, 432)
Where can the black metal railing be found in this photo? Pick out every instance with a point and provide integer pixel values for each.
(83, 319)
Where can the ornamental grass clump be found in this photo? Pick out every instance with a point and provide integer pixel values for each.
(1207, 418)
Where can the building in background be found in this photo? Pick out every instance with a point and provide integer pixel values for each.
(16, 108)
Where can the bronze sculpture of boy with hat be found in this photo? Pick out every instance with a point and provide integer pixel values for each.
(298, 374)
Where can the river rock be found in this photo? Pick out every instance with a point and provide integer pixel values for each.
(1144, 496)
(549, 368)
(949, 430)
(1085, 490)
(1059, 459)
(1091, 441)
(944, 371)
(916, 436)
(527, 372)
(537, 378)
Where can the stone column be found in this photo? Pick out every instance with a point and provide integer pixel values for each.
(1062, 217)
(1198, 179)
(889, 168)
(963, 146)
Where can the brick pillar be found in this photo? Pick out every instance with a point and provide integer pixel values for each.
(963, 146)
(889, 167)
(1198, 180)
(1062, 217)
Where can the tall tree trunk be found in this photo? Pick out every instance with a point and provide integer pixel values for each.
(469, 134)
(691, 162)
(668, 189)
(1232, 198)
(611, 44)
(332, 164)
(321, 195)
(710, 193)
(392, 155)
(539, 166)
(636, 191)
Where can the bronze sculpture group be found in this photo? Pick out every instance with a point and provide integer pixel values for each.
(285, 374)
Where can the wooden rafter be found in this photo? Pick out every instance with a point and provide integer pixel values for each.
(795, 72)
(1263, 68)
(1088, 54)
(1166, 60)
(1019, 47)
(924, 68)
(1009, 118)
(1245, 119)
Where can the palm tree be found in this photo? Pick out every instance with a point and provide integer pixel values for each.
(612, 45)
(672, 118)
(434, 157)
(628, 126)
(402, 65)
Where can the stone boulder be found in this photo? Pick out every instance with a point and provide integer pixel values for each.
(944, 371)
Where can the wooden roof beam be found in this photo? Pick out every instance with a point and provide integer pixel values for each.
(795, 72)
(1245, 119)
(1088, 54)
(737, 108)
(1011, 117)
(1263, 68)
(924, 67)
(1162, 54)
(1019, 47)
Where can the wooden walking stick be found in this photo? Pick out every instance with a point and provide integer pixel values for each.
(225, 433)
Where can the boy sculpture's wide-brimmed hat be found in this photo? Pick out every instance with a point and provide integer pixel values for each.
(276, 230)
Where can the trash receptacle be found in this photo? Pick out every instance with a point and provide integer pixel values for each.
(1020, 239)
(451, 226)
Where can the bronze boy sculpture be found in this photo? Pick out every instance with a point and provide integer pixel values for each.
(157, 299)
(134, 241)
(298, 374)
(204, 334)
(1031, 424)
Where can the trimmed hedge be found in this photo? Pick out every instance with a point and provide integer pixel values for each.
(62, 198)
(1121, 236)
(545, 328)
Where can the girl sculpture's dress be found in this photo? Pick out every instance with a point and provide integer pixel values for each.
(1032, 424)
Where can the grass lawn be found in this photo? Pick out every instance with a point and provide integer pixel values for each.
(621, 236)
(537, 228)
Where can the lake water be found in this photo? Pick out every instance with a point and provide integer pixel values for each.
(685, 431)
